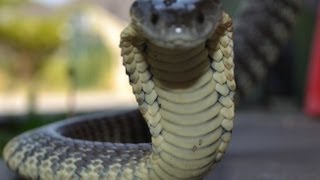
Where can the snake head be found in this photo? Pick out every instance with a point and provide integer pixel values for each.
(176, 23)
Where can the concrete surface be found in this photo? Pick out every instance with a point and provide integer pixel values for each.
(265, 146)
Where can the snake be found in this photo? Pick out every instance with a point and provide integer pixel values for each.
(178, 55)
(261, 29)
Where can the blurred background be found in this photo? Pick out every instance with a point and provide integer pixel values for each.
(59, 58)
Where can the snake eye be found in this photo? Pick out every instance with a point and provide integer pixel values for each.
(154, 18)
(200, 18)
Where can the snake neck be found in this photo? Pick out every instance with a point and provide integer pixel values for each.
(179, 68)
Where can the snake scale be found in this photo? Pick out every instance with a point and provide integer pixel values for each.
(178, 55)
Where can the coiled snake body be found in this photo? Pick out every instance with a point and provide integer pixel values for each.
(178, 55)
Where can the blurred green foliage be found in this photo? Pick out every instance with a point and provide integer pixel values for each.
(24, 30)
(10, 2)
(54, 74)
(89, 58)
(33, 37)
(32, 33)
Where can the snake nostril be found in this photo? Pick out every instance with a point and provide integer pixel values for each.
(200, 17)
(154, 18)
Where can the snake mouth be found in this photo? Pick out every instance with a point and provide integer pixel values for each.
(117, 128)
(177, 43)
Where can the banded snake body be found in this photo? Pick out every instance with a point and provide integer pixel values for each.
(178, 55)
